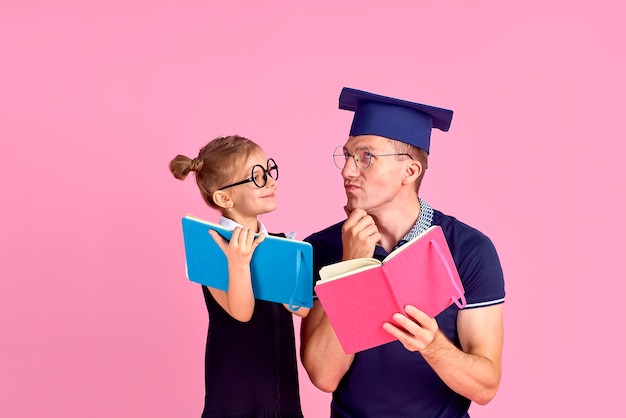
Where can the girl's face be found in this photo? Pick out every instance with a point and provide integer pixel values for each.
(249, 199)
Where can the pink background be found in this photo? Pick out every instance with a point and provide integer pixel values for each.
(97, 317)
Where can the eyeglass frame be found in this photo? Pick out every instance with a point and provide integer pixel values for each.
(266, 173)
(347, 155)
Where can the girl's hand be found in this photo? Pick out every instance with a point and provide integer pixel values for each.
(238, 300)
(241, 246)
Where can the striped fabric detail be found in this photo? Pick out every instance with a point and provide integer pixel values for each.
(481, 304)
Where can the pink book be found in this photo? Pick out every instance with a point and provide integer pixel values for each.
(360, 295)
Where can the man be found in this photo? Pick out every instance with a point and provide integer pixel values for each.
(438, 365)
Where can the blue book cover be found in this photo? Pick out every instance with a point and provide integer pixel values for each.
(281, 268)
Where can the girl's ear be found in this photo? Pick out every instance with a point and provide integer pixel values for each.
(222, 199)
(413, 170)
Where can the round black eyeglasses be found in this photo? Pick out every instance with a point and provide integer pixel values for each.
(362, 157)
(259, 175)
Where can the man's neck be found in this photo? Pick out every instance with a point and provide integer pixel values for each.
(394, 223)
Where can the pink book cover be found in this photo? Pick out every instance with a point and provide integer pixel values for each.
(420, 273)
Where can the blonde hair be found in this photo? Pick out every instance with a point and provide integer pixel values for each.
(216, 164)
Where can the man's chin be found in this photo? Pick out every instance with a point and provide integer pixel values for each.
(352, 204)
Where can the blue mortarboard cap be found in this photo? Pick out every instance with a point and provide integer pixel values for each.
(393, 118)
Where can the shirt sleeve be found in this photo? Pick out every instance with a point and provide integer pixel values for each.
(480, 270)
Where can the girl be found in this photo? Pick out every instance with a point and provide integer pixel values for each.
(250, 363)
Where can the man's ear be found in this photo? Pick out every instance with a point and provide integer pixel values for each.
(222, 199)
(413, 171)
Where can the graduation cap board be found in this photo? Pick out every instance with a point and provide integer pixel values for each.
(393, 118)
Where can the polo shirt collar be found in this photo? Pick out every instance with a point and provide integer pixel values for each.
(424, 221)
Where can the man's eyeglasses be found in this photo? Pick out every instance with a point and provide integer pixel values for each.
(259, 175)
(362, 157)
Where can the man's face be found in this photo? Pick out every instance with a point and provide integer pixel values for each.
(374, 188)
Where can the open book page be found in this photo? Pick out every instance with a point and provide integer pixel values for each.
(422, 273)
(346, 268)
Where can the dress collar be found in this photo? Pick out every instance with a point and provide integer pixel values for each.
(230, 224)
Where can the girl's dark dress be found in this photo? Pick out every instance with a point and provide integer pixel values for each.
(250, 367)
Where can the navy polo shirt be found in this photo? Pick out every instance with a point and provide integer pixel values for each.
(389, 381)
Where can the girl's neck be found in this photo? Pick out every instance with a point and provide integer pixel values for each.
(250, 223)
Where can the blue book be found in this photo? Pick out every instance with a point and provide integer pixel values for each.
(281, 268)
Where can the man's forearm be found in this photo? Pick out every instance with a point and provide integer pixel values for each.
(471, 375)
(323, 357)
